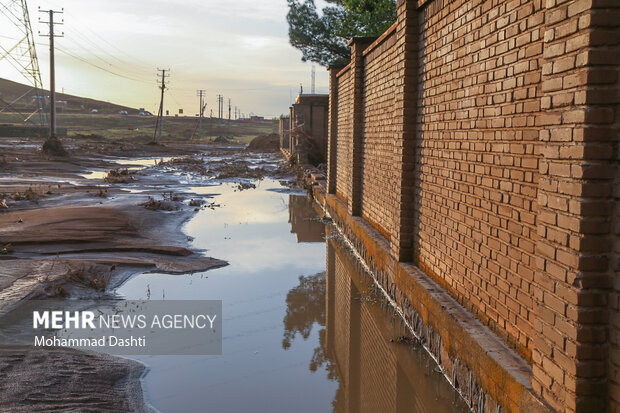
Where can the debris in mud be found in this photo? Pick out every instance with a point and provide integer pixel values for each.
(171, 196)
(96, 280)
(238, 169)
(154, 205)
(186, 163)
(6, 250)
(91, 276)
(3, 204)
(184, 160)
(241, 186)
(283, 170)
(195, 202)
(53, 146)
(29, 194)
(412, 341)
(265, 143)
(102, 193)
(118, 176)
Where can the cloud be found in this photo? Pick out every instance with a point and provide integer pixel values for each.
(239, 50)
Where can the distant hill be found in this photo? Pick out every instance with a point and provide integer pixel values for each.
(9, 91)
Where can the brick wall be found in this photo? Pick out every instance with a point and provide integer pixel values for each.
(489, 154)
(344, 142)
(378, 129)
(476, 159)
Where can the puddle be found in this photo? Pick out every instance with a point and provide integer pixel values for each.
(95, 175)
(303, 329)
(299, 334)
(142, 162)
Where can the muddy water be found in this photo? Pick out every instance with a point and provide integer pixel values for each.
(303, 330)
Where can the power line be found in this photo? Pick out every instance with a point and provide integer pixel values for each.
(62, 50)
(85, 61)
(132, 57)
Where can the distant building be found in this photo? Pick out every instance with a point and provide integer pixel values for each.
(305, 135)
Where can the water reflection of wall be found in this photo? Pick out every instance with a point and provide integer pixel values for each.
(376, 372)
(303, 218)
(359, 338)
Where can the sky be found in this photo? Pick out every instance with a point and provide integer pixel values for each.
(112, 49)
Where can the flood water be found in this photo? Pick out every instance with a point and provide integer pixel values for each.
(303, 330)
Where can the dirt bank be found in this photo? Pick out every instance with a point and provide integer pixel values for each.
(60, 251)
(265, 143)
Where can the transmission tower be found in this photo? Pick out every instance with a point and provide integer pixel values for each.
(20, 53)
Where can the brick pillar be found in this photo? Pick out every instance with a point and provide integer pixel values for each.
(405, 114)
(574, 219)
(291, 125)
(358, 44)
(332, 134)
(605, 56)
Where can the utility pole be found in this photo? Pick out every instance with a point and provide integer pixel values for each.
(160, 113)
(228, 109)
(202, 107)
(211, 123)
(313, 88)
(51, 36)
(220, 111)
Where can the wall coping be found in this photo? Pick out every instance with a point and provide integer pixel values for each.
(421, 3)
(344, 69)
(358, 39)
(380, 39)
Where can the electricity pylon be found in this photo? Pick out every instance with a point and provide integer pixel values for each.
(18, 50)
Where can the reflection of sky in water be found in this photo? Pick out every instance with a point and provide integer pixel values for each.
(251, 231)
(95, 175)
(151, 161)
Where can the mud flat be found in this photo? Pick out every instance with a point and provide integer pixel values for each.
(63, 235)
(53, 380)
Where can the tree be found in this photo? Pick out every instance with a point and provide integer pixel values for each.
(322, 37)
